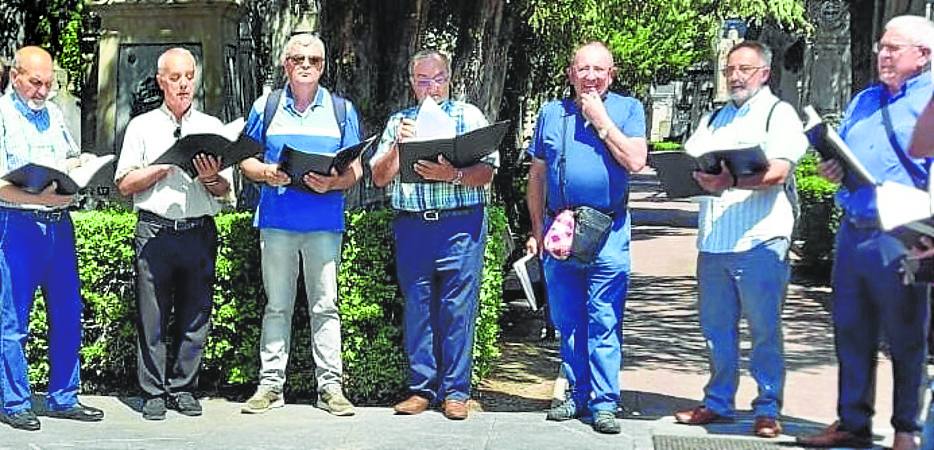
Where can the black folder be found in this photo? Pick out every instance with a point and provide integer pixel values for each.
(911, 233)
(462, 151)
(185, 149)
(34, 178)
(675, 170)
(742, 162)
(297, 162)
(830, 146)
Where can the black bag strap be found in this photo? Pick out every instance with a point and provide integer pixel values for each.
(918, 177)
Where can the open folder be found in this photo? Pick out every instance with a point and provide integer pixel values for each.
(675, 170)
(830, 145)
(532, 279)
(462, 151)
(34, 178)
(297, 162)
(185, 149)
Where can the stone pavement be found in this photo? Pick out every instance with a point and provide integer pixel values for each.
(664, 368)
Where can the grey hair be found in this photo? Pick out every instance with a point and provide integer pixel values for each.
(916, 28)
(429, 53)
(301, 40)
(160, 63)
(765, 53)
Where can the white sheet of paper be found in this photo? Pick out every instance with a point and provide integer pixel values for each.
(433, 123)
(83, 173)
(232, 130)
(899, 204)
(525, 281)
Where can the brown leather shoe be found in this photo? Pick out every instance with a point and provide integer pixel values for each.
(698, 415)
(905, 441)
(833, 436)
(454, 409)
(415, 404)
(767, 427)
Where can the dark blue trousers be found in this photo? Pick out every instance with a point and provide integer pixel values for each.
(38, 252)
(869, 301)
(439, 264)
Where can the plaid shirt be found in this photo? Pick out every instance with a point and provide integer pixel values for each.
(427, 196)
(28, 136)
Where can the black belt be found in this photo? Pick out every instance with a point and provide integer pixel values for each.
(45, 216)
(433, 215)
(177, 225)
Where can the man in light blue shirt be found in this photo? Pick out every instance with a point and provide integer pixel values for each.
(870, 299)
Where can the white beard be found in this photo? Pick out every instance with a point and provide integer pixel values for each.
(35, 105)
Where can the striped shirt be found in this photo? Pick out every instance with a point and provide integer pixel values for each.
(740, 219)
(314, 130)
(426, 196)
(28, 136)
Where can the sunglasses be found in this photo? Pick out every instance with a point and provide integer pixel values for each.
(300, 59)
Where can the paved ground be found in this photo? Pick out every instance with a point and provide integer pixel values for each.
(665, 368)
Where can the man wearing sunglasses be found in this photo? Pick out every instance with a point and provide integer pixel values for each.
(175, 238)
(440, 231)
(300, 223)
(744, 231)
(870, 298)
(37, 249)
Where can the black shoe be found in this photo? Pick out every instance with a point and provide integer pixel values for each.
(23, 420)
(78, 412)
(185, 403)
(154, 408)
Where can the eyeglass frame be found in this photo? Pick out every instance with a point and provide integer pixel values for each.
(424, 82)
(746, 71)
(313, 60)
(878, 47)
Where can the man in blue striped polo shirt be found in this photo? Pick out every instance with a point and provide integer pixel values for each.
(440, 231)
(743, 237)
(301, 225)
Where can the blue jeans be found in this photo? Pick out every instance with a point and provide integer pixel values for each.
(586, 304)
(869, 300)
(38, 253)
(439, 264)
(751, 284)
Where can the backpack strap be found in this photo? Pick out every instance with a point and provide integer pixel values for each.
(272, 105)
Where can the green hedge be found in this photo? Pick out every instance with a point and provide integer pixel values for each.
(814, 234)
(371, 309)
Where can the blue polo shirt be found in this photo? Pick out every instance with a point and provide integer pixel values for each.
(592, 176)
(864, 131)
(314, 130)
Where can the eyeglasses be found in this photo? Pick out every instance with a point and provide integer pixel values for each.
(745, 71)
(597, 70)
(879, 47)
(300, 59)
(424, 82)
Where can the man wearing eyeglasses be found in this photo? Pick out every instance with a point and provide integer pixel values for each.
(440, 232)
(37, 249)
(583, 152)
(175, 239)
(870, 299)
(744, 231)
(300, 223)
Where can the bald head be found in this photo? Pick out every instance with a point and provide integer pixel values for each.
(592, 69)
(32, 76)
(176, 77)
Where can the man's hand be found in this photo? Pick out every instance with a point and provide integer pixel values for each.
(532, 246)
(439, 171)
(321, 183)
(405, 130)
(207, 167)
(594, 110)
(831, 170)
(275, 177)
(48, 197)
(924, 248)
(715, 183)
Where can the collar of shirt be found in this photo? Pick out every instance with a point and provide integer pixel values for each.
(289, 103)
(916, 82)
(731, 110)
(165, 109)
(40, 118)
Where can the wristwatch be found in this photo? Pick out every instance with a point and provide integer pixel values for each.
(458, 178)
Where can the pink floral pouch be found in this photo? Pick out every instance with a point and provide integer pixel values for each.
(560, 235)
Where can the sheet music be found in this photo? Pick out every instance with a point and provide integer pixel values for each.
(433, 123)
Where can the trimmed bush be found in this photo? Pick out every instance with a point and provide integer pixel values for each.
(375, 367)
(819, 219)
